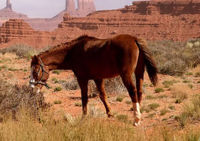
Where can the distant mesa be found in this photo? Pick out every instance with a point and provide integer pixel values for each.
(84, 7)
(7, 13)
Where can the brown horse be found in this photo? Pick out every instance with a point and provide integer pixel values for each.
(97, 59)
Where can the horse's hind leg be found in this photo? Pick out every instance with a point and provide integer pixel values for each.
(100, 87)
(83, 83)
(128, 82)
(139, 74)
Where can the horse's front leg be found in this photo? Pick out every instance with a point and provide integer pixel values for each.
(83, 83)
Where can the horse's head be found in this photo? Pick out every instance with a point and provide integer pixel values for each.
(39, 73)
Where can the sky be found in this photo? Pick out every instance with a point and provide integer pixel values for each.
(49, 8)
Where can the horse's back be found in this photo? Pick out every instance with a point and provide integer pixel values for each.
(105, 58)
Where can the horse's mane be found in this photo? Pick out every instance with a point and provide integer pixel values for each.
(84, 37)
(67, 44)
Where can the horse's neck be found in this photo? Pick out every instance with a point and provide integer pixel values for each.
(54, 59)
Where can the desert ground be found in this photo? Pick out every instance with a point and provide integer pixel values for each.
(170, 111)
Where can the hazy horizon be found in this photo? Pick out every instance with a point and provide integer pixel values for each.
(36, 9)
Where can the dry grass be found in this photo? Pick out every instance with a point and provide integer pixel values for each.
(22, 51)
(180, 92)
(14, 97)
(90, 129)
(80, 130)
(175, 58)
(191, 112)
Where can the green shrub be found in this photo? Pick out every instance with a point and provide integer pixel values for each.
(169, 83)
(56, 72)
(57, 102)
(119, 98)
(171, 107)
(153, 106)
(163, 112)
(57, 89)
(159, 90)
(123, 118)
(78, 104)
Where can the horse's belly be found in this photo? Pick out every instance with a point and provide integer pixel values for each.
(104, 71)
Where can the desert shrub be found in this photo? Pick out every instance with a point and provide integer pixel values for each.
(150, 97)
(159, 90)
(191, 112)
(153, 106)
(57, 102)
(69, 84)
(119, 98)
(174, 58)
(57, 89)
(56, 72)
(23, 51)
(114, 85)
(169, 83)
(13, 98)
(163, 111)
(78, 104)
(180, 93)
(123, 118)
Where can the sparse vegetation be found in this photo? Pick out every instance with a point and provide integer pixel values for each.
(171, 107)
(123, 118)
(163, 111)
(55, 80)
(190, 112)
(150, 97)
(162, 96)
(175, 57)
(70, 84)
(57, 89)
(22, 51)
(197, 74)
(13, 98)
(128, 102)
(56, 72)
(153, 106)
(119, 98)
(78, 104)
(169, 83)
(57, 102)
(159, 90)
(180, 93)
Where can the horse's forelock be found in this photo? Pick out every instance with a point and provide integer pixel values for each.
(34, 60)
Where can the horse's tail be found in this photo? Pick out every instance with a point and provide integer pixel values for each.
(148, 60)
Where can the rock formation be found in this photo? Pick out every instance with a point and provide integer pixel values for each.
(84, 7)
(16, 30)
(8, 4)
(7, 13)
(152, 20)
(70, 6)
(170, 7)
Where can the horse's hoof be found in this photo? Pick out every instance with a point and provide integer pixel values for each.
(110, 115)
(136, 124)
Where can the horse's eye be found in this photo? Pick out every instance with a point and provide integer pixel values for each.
(34, 74)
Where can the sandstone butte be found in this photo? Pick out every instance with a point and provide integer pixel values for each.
(84, 7)
(153, 20)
